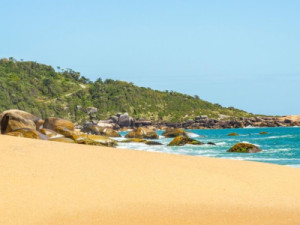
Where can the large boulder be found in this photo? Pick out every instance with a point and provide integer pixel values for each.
(181, 140)
(16, 119)
(74, 135)
(109, 132)
(52, 123)
(125, 120)
(95, 129)
(99, 140)
(142, 132)
(81, 138)
(27, 133)
(174, 132)
(91, 129)
(244, 148)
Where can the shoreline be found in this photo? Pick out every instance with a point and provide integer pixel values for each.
(59, 183)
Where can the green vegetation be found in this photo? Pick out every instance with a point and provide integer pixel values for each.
(39, 89)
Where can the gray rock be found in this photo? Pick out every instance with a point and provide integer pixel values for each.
(125, 120)
(91, 110)
(115, 119)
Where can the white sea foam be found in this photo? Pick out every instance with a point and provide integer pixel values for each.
(192, 135)
(294, 165)
(118, 138)
(280, 136)
(220, 143)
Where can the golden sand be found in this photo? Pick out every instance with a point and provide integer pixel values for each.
(43, 183)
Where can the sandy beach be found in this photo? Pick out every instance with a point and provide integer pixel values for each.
(52, 183)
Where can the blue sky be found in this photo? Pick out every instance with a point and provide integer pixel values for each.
(236, 53)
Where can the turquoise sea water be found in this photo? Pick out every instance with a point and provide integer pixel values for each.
(280, 146)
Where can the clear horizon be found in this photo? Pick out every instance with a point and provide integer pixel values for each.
(237, 54)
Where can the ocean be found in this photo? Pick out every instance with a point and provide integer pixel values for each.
(280, 146)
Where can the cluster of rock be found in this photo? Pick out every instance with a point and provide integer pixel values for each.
(115, 122)
(143, 132)
(124, 121)
(203, 122)
(181, 138)
(23, 124)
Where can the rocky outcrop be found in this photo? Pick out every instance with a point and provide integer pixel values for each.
(101, 140)
(16, 119)
(174, 132)
(142, 132)
(142, 123)
(125, 120)
(49, 133)
(95, 129)
(81, 138)
(114, 119)
(118, 121)
(244, 148)
(204, 122)
(22, 124)
(91, 129)
(53, 123)
(109, 132)
(27, 133)
(11, 122)
(67, 133)
(181, 140)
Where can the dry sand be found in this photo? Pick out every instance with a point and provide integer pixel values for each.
(45, 183)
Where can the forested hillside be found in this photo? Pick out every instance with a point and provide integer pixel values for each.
(39, 89)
